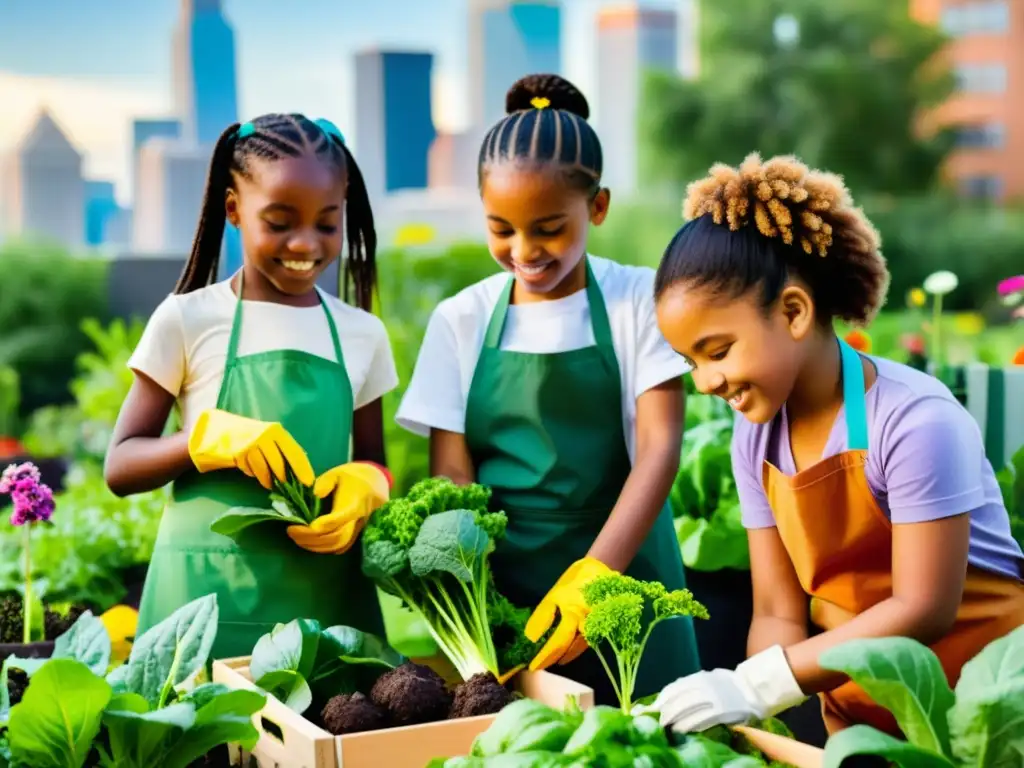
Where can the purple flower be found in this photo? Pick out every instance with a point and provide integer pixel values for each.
(33, 500)
(16, 472)
(1011, 285)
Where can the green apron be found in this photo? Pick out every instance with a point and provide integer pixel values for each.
(545, 433)
(261, 577)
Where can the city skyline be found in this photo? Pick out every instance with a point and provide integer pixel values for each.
(94, 90)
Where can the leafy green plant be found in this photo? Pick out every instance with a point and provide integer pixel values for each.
(291, 503)
(623, 613)
(301, 662)
(430, 548)
(148, 713)
(977, 725)
(1011, 483)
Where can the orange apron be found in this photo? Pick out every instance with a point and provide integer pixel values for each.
(840, 542)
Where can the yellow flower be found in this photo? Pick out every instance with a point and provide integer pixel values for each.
(540, 102)
(414, 234)
(121, 622)
(916, 297)
(969, 323)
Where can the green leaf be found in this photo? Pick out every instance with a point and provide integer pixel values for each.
(140, 736)
(52, 729)
(906, 678)
(224, 718)
(864, 740)
(383, 560)
(283, 661)
(699, 752)
(237, 519)
(451, 542)
(987, 720)
(350, 660)
(171, 652)
(86, 641)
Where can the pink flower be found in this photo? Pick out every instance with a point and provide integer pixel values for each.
(16, 472)
(1011, 285)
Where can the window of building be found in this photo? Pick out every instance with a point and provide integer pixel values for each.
(979, 17)
(989, 136)
(982, 187)
(981, 78)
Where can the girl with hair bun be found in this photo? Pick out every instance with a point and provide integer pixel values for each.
(551, 384)
(863, 483)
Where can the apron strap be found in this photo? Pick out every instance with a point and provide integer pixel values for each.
(598, 316)
(335, 339)
(854, 398)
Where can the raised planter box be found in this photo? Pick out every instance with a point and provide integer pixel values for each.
(784, 750)
(288, 740)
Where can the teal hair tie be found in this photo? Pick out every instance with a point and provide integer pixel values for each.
(330, 128)
(246, 129)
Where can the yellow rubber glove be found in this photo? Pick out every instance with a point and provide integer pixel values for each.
(261, 449)
(566, 599)
(359, 489)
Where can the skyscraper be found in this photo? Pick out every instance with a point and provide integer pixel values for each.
(509, 39)
(205, 85)
(631, 41)
(394, 124)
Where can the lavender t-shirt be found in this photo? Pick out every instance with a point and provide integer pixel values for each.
(926, 461)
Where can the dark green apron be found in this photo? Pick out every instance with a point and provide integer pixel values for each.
(545, 433)
(262, 577)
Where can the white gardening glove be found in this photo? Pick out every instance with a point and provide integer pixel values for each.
(762, 686)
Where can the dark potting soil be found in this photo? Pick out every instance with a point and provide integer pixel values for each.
(54, 624)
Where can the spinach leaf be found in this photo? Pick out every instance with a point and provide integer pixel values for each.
(170, 653)
(349, 660)
(522, 726)
(86, 641)
(51, 729)
(283, 660)
(698, 752)
(238, 519)
(451, 542)
(865, 740)
(906, 678)
(222, 719)
(139, 735)
(987, 721)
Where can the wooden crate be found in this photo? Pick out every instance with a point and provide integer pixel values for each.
(289, 740)
(784, 750)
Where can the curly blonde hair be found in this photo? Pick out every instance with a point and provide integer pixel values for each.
(811, 214)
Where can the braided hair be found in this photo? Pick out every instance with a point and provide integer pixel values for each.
(275, 137)
(546, 123)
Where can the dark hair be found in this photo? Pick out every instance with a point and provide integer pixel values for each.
(759, 224)
(275, 137)
(546, 122)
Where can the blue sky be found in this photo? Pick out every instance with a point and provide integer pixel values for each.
(97, 63)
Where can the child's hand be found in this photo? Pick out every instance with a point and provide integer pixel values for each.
(260, 449)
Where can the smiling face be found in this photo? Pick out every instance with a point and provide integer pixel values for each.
(290, 214)
(537, 226)
(749, 356)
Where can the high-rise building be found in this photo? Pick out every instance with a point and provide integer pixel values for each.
(205, 84)
(688, 39)
(394, 123)
(631, 41)
(45, 195)
(172, 177)
(986, 52)
(509, 39)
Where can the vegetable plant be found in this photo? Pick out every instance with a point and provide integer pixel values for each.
(150, 712)
(980, 724)
(430, 548)
(1011, 483)
(623, 613)
(529, 734)
(291, 502)
(299, 661)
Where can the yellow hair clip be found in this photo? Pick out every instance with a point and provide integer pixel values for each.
(540, 102)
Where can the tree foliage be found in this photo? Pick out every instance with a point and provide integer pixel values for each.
(842, 84)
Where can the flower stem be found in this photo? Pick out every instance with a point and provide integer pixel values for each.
(27, 607)
(936, 330)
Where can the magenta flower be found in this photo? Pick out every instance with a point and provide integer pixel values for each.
(33, 500)
(15, 473)
(1011, 285)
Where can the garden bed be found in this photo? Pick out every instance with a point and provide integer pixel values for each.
(289, 739)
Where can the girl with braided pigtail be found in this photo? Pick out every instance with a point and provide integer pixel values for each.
(551, 383)
(273, 380)
(863, 483)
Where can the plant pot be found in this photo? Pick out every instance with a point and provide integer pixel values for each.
(39, 650)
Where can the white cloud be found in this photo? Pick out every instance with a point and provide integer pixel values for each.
(96, 117)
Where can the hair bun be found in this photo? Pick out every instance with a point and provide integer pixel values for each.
(809, 209)
(560, 93)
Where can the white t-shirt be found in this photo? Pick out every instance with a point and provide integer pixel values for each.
(437, 394)
(185, 344)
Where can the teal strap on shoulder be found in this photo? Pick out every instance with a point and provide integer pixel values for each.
(854, 399)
